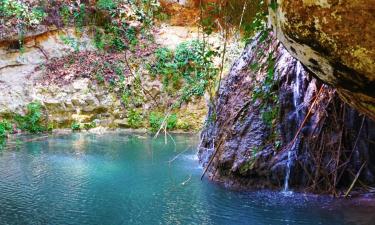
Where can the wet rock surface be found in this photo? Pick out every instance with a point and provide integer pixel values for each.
(328, 141)
(336, 41)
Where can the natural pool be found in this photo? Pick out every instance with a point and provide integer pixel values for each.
(120, 178)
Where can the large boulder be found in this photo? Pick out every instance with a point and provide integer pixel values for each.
(306, 131)
(335, 39)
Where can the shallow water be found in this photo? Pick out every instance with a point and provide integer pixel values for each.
(131, 179)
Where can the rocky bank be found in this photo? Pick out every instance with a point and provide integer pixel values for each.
(321, 141)
(76, 98)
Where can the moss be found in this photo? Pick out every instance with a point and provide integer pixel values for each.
(247, 166)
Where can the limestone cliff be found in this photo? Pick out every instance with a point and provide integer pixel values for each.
(43, 71)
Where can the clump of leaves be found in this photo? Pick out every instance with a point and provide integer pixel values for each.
(71, 42)
(189, 70)
(88, 126)
(32, 121)
(25, 15)
(117, 33)
(135, 118)
(75, 126)
(267, 92)
(106, 4)
(183, 125)
(156, 119)
(5, 128)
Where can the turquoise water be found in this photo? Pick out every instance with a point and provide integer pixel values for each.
(132, 179)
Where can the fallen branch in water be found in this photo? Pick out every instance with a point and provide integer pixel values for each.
(174, 158)
(174, 142)
(185, 182)
(163, 123)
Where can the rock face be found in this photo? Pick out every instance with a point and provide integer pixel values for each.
(17, 67)
(323, 140)
(336, 41)
(22, 80)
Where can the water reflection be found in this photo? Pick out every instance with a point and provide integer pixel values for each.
(132, 179)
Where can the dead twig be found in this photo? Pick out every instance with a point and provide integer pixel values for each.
(212, 158)
(179, 154)
(306, 117)
(135, 77)
(355, 180)
(186, 181)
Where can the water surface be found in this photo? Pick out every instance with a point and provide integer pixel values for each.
(120, 178)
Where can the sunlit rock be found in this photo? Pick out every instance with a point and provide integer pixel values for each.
(335, 40)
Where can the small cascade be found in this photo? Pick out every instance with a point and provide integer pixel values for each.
(298, 118)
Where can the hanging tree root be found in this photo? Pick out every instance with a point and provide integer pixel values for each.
(329, 146)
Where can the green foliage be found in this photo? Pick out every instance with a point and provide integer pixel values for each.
(65, 14)
(161, 16)
(99, 40)
(71, 42)
(156, 119)
(259, 24)
(117, 35)
(267, 92)
(273, 5)
(135, 118)
(131, 35)
(79, 17)
(88, 126)
(270, 114)
(23, 12)
(5, 128)
(75, 126)
(32, 121)
(183, 125)
(248, 165)
(50, 127)
(125, 97)
(132, 96)
(99, 77)
(106, 4)
(172, 122)
(189, 70)
(21, 15)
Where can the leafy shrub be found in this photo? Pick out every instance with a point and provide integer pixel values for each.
(5, 128)
(106, 4)
(156, 119)
(32, 121)
(134, 118)
(172, 122)
(79, 16)
(65, 14)
(71, 42)
(23, 12)
(131, 35)
(183, 125)
(75, 126)
(189, 70)
(88, 126)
